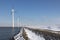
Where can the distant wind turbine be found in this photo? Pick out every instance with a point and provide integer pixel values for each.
(18, 23)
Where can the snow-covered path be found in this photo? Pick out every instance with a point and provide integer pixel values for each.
(32, 36)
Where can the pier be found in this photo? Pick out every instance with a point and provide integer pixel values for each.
(36, 34)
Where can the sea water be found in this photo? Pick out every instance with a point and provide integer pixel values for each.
(7, 32)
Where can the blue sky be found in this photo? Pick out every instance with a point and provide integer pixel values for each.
(30, 12)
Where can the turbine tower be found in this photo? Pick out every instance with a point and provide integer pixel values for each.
(18, 23)
(13, 18)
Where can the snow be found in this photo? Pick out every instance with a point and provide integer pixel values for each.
(49, 27)
(32, 36)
